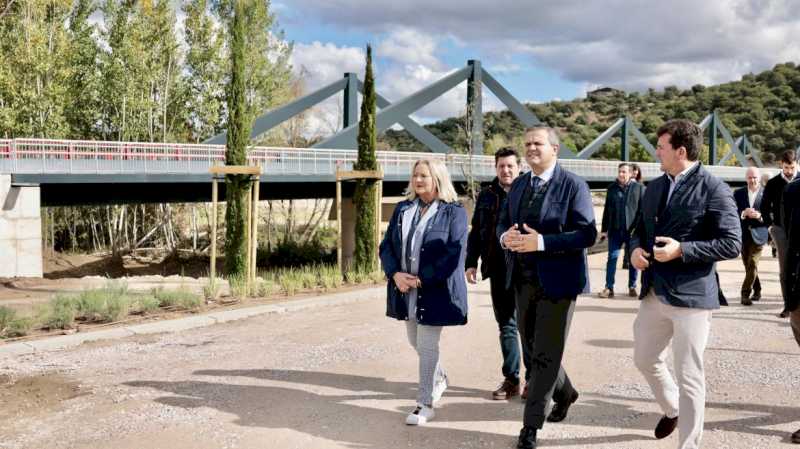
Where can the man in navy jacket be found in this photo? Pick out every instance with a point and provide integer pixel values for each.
(754, 233)
(687, 223)
(546, 225)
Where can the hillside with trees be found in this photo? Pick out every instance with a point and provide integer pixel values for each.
(764, 106)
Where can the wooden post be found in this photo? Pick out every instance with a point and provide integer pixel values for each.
(378, 209)
(254, 233)
(339, 224)
(248, 216)
(213, 229)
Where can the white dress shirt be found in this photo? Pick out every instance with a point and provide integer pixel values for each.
(673, 182)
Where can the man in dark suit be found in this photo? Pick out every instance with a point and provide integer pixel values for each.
(483, 244)
(790, 212)
(771, 213)
(619, 213)
(546, 225)
(754, 233)
(687, 223)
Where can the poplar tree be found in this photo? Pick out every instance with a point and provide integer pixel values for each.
(239, 125)
(365, 254)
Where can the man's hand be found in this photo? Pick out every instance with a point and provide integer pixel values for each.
(472, 275)
(669, 251)
(752, 213)
(639, 259)
(523, 243)
(405, 281)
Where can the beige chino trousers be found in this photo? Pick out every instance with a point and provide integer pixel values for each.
(655, 326)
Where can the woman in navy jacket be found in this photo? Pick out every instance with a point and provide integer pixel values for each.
(423, 255)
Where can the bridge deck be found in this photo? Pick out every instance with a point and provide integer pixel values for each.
(73, 172)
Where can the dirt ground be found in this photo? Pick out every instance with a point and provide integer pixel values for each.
(344, 377)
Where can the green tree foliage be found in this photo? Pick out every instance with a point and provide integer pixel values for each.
(765, 106)
(364, 199)
(204, 72)
(142, 91)
(33, 93)
(239, 125)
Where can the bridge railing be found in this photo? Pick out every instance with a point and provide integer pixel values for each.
(43, 156)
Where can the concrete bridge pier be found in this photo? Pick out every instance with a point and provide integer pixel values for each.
(20, 230)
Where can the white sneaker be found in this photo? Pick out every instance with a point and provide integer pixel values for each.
(420, 416)
(438, 389)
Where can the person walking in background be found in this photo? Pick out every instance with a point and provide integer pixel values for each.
(422, 254)
(754, 233)
(546, 225)
(636, 172)
(482, 244)
(619, 215)
(771, 215)
(687, 223)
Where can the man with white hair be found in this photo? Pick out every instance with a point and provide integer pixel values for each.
(754, 233)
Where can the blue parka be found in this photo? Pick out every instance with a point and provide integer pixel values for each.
(442, 299)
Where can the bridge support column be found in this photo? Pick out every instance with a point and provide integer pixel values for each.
(20, 230)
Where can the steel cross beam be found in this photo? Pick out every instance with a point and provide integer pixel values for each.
(414, 128)
(627, 126)
(277, 116)
(740, 157)
(595, 145)
(402, 109)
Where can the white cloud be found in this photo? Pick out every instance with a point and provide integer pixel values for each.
(628, 44)
(400, 71)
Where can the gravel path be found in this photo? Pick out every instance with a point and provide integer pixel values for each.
(344, 377)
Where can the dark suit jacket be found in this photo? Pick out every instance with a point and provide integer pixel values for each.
(702, 216)
(442, 299)
(632, 199)
(567, 226)
(755, 230)
(791, 221)
(482, 241)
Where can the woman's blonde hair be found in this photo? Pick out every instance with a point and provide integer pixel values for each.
(441, 181)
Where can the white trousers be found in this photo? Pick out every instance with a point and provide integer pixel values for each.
(656, 324)
(425, 340)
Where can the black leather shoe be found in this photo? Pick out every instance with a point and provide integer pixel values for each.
(746, 301)
(527, 438)
(666, 426)
(756, 296)
(560, 409)
(796, 437)
(784, 314)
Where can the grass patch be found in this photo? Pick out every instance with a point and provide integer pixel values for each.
(106, 304)
(144, 304)
(7, 316)
(182, 298)
(238, 285)
(266, 287)
(212, 289)
(19, 327)
(60, 313)
(330, 277)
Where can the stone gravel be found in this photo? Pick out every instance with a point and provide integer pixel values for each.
(343, 376)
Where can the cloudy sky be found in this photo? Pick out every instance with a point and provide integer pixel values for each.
(540, 50)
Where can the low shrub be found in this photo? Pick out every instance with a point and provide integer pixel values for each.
(7, 316)
(19, 327)
(61, 312)
(145, 304)
(181, 298)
